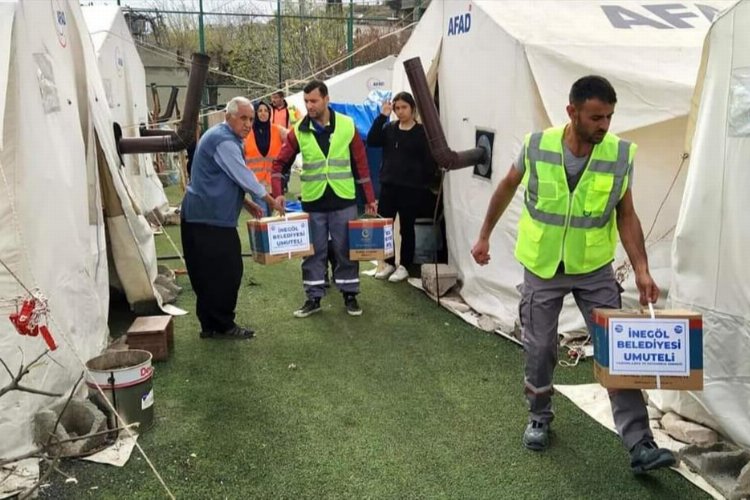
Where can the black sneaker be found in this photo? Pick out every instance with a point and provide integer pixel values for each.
(352, 307)
(647, 456)
(311, 306)
(536, 436)
(234, 333)
(206, 334)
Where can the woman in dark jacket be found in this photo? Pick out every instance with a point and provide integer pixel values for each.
(406, 174)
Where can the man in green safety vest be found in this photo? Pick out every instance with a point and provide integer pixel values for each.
(577, 180)
(333, 162)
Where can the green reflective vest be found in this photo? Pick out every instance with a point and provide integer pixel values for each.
(319, 171)
(578, 228)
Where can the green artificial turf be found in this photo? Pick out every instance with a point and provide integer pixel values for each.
(406, 401)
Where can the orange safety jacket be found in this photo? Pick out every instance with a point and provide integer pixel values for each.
(259, 164)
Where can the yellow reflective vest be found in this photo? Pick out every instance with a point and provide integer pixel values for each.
(576, 228)
(319, 171)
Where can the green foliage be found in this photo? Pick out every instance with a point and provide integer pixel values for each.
(247, 46)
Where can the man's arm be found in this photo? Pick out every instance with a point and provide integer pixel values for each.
(500, 200)
(631, 235)
(283, 163)
(229, 158)
(361, 171)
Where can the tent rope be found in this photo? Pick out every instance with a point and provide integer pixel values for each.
(174, 57)
(624, 269)
(77, 355)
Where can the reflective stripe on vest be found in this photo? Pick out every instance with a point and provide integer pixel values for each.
(259, 164)
(577, 228)
(335, 170)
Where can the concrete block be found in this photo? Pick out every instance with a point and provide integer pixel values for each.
(438, 281)
(80, 418)
(654, 413)
(723, 465)
(487, 323)
(688, 432)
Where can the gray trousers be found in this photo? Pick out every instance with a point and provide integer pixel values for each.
(315, 267)
(541, 303)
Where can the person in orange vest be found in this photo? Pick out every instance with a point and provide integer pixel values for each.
(262, 146)
(281, 113)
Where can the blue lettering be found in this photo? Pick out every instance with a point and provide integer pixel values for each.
(648, 334)
(459, 24)
(673, 18)
(622, 18)
(668, 15)
(649, 357)
(707, 11)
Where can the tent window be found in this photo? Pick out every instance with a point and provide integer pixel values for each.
(739, 103)
(484, 138)
(47, 87)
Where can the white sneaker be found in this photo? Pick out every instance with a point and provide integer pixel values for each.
(385, 272)
(399, 274)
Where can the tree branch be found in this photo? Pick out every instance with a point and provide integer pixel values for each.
(15, 383)
(65, 407)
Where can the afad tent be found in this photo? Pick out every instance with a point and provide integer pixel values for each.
(357, 93)
(355, 85)
(350, 87)
(124, 80)
(507, 66)
(60, 185)
(709, 265)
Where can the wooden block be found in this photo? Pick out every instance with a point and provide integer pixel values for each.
(154, 334)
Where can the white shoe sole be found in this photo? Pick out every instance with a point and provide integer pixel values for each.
(300, 314)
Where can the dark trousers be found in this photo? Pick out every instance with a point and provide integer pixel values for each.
(315, 267)
(541, 303)
(213, 257)
(410, 204)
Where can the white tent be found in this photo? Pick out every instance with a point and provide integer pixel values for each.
(353, 86)
(349, 87)
(710, 273)
(60, 184)
(507, 67)
(124, 80)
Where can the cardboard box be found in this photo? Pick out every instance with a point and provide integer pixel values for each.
(276, 239)
(634, 351)
(371, 239)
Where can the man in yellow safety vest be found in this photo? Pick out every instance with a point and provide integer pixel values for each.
(577, 181)
(333, 162)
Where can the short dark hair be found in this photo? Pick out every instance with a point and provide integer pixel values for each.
(407, 98)
(592, 87)
(316, 84)
(279, 93)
